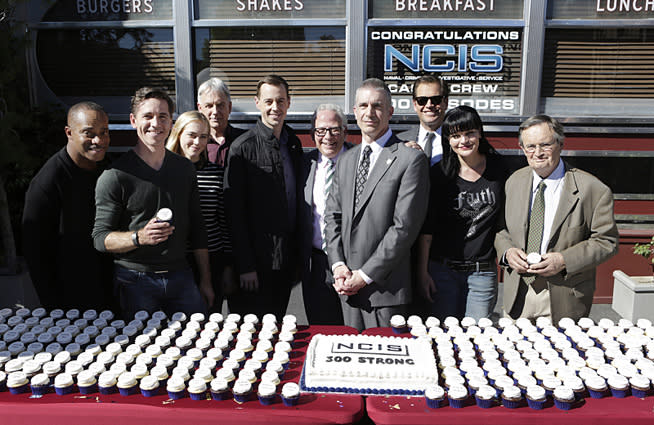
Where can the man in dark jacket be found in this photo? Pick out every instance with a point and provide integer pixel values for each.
(67, 272)
(262, 189)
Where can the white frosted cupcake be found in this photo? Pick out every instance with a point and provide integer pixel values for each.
(457, 396)
(107, 383)
(176, 387)
(127, 384)
(564, 397)
(149, 386)
(536, 397)
(219, 389)
(398, 324)
(485, 396)
(40, 384)
(197, 389)
(86, 382)
(290, 394)
(242, 390)
(64, 383)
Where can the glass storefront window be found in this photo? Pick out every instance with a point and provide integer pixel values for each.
(598, 72)
(105, 64)
(311, 59)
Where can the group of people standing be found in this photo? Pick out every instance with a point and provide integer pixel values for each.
(399, 224)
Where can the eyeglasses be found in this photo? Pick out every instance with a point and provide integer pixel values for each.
(545, 147)
(422, 100)
(322, 131)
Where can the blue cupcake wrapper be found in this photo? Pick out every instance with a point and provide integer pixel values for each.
(88, 389)
(108, 390)
(198, 396)
(598, 394)
(219, 396)
(40, 389)
(242, 398)
(563, 405)
(267, 400)
(457, 404)
(400, 330)
(128, 391)
(536, 404)
(434, 403)
(618, 393)
(176, 395)
(511, 404)
(290, 401)
(64, 390)
(484, 403)
(639, 393)
(150, 393)
(19, 390)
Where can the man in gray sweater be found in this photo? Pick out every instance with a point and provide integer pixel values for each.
(151, 271)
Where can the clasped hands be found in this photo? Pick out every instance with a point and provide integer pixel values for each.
(347, 282)
(550, 264)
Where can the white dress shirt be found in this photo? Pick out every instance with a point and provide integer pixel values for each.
(436, 146)
(319, 199)
(553, 189)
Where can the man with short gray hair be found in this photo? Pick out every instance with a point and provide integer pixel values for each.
(328, 131)
(558, 226)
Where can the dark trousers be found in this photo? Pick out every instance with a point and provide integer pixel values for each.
(321, 301)
(272, 296)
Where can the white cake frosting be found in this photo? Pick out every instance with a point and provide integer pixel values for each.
(369, 364)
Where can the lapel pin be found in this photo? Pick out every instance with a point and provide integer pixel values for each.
(388, 161)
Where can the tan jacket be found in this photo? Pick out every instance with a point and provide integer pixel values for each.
(583, 231)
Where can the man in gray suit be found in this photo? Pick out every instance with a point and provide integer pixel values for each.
(376, 206)
(430, 103)
(328, 131)
(558, 227)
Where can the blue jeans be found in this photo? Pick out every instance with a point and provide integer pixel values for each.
(463, 293)
(168, 291)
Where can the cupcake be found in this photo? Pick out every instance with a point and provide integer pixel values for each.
(64, 384)
(485, 396)
(640, 386)
(511, 397)
(398, 323)
(161, 372)
(197, 389)
(219, 389)
(564, 397)
(619, 385)
(457, 396)
(149, 386)
(242, 390)
(86, 382)
(536, 397)
(176, 387)
(107, 383)
(40, 384)
(577, 385)
(266, 393)
(127, 384)
(290, 394)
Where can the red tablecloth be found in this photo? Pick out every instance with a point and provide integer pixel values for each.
(115, 409)
(414, 410)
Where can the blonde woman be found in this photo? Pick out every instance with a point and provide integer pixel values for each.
(189, 138)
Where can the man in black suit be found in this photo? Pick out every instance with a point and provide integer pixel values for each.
(328, 131)
(430, 104)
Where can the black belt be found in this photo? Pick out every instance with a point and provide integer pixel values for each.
(466, 266)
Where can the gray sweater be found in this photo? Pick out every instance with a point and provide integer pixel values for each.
(130, 193)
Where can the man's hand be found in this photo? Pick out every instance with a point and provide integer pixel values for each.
(352, 285)
(250, 281)
(427, 287)
(341, 273)
(552, 263)
(155, 232)
(413, 145)
(517, 260)
(206, 289)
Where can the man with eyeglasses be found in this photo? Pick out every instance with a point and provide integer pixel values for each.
(558, 226)
(328, 131)
(430, 104)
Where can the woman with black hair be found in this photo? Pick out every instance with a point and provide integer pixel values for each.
(457, 273)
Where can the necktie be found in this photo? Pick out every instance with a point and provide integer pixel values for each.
(536, 224)
(429, 140)
(362, 174)
(329, 175)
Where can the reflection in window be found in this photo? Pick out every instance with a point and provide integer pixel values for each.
(311, 59)
(106, 62)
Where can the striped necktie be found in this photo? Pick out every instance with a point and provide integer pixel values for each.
(329, 177)
(429, 141)
(362, 174)
(536, 225)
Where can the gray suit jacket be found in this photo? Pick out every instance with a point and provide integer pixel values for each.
(583, 231)
(411, 135)
(377, 236)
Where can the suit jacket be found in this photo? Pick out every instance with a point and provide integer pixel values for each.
(583, 231)
(377, 236)
(310, 163)
(410, 135)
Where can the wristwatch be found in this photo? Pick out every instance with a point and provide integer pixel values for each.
(135, 238)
